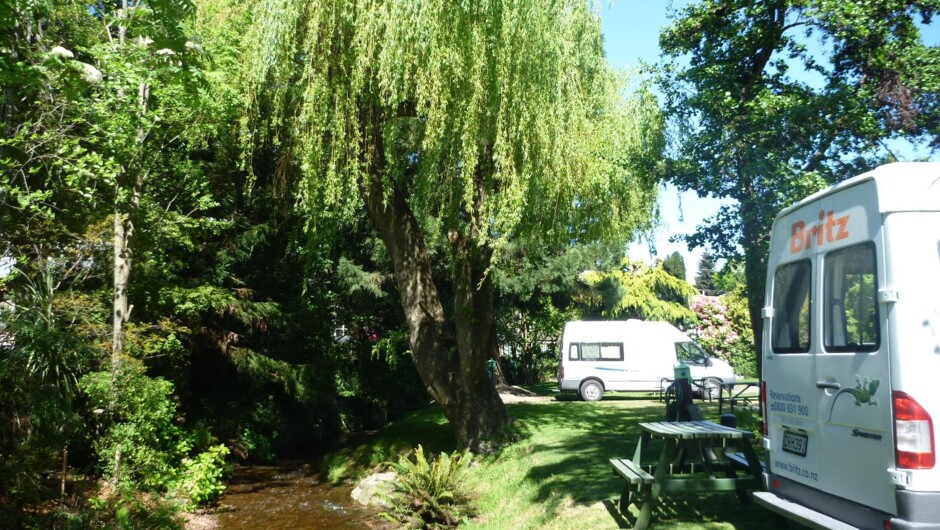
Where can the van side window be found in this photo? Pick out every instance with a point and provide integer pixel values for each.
(573, 353)
(851, 308)
(595, 351)
(790, 326)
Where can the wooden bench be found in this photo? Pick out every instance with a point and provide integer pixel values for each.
(637, 480)
(630, 472)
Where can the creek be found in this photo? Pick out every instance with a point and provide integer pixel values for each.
(290, 496)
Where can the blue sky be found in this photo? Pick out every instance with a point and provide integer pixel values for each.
(631, 36)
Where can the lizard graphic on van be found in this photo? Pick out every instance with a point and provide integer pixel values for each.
(863, 392)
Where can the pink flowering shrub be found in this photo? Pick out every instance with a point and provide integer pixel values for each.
(724, 330)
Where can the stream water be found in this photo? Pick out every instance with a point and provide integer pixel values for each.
(290, 496)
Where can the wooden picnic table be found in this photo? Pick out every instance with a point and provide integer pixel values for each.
(695, 456)
(736, 395)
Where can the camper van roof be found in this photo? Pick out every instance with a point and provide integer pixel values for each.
(902, 186)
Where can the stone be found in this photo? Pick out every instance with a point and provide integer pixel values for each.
(374, 488)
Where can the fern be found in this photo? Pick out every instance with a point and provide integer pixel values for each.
(429, 494)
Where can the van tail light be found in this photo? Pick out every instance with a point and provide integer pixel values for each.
(763, 406)
(913, 433)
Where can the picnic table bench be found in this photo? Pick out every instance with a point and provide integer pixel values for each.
(695, 456)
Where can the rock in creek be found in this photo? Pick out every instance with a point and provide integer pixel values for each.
(372, 490)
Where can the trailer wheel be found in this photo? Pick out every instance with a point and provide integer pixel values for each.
(592, 390)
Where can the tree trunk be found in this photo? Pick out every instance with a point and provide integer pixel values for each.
(123, 230)
(499, 377)
(127, 194)
(454, 372)
(755, 270)
(480, 413)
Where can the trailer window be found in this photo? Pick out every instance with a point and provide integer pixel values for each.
(790, 326)
(595, 351)
(573, 353)
(851, 309)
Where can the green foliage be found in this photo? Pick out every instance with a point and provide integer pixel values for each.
(139, 444)
(730, 279)
(126, 509)
(530, 335)
(256, 446)
(200, 478)
(705, 278)
(749, 420)
(430, 494)
(634, 290)
(534, 300)
(674, 264)
(556, 155)
(41, 358)
(763, 117)
(356, 279)
(724, 329)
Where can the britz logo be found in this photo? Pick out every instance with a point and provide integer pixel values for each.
(829, 229)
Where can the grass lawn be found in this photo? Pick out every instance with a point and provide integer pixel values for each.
(557, 475)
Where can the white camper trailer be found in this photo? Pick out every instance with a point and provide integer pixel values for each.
(631, 355)
(852, 354)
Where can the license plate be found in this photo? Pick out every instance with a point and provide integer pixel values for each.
(795, 443)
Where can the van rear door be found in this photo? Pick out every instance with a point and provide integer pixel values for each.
(829, 396)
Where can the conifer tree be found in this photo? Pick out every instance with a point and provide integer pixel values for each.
(705, 279)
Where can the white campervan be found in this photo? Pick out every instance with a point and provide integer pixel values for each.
(631, 355)
(852, 354)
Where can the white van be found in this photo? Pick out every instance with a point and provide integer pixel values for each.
(631, 355)
(852, 354)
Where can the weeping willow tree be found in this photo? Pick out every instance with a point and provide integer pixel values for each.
(457, 127)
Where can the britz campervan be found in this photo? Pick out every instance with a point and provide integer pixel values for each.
(632, 355)
(851, 354)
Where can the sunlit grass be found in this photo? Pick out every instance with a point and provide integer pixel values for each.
(556, 475)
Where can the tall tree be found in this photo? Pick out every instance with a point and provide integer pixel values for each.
(145, 46)
(457, 127)
(762, 120)
(674, 264)
(705, 279)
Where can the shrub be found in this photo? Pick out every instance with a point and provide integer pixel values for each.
(141, 449)
(140, 444)
(724, 330)
(430, 495)
(40, 360)
(126, 509)
(200, 478)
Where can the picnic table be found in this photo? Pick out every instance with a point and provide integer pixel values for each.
(695, 456)
(738, 395)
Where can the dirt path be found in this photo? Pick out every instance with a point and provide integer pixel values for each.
(515, 394)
